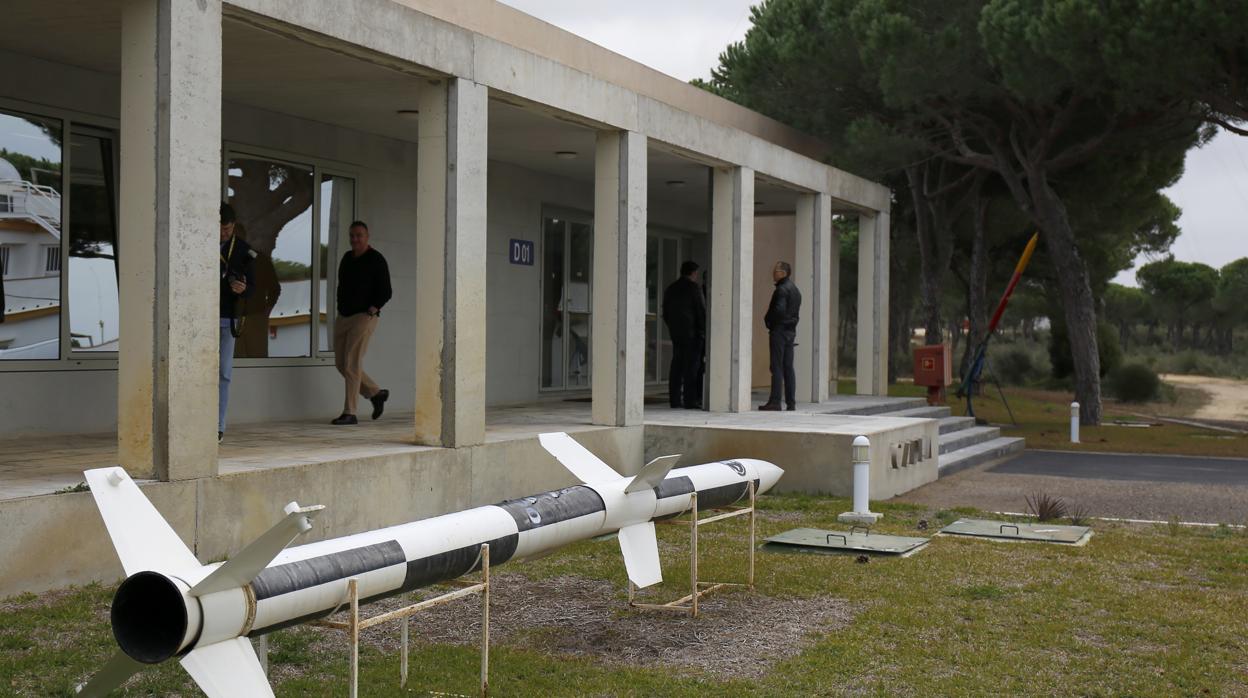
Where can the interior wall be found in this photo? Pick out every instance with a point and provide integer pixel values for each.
(775, 239)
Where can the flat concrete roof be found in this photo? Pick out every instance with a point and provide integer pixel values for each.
(511, 26)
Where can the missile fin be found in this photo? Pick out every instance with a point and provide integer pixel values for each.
(651, 475)
(640, 547)
(228, 669)
(576, 458)
(109, 678)
(250, 561)
(141, 536)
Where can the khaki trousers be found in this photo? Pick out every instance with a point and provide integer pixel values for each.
(351, 335)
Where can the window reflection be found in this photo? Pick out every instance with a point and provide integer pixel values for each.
(273, 201)
(30, 237)
(337, 213)
(93, 271)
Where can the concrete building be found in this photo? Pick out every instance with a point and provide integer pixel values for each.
(532, 192)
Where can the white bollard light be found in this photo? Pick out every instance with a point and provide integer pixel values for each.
(861, 456)
(1074, 422)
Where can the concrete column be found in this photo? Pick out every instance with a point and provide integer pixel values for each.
(618, 332)
(170, 190)
(812, 274)
(873, 304)
(834, 308)
(450, 254)
(732, 284)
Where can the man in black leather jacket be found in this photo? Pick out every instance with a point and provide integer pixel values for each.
(781, 322)
(684, 313)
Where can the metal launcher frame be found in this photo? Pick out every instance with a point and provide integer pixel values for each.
(354, 624)
(698, 589)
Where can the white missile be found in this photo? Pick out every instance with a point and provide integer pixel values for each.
(170, 605)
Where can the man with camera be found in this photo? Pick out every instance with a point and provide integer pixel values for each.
(237, 281)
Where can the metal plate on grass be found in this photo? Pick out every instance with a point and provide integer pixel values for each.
(1007, 531)
(813, 540)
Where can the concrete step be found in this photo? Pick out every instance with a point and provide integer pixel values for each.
(995, 451)
(967, 437)
(924, 412)
(952, 424)
(874, 406)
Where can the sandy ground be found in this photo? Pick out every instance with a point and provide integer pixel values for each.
(1228, 398)
(1135, 499)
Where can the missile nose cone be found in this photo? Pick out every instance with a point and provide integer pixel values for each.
(767, 474)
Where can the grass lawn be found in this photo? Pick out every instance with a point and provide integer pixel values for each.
(1044, 420)
(1139, 611)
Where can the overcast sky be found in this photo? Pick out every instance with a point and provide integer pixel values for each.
(683, 38)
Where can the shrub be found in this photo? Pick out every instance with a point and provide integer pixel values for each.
(1135, 383)
(1046, 507)
(1108, 348)
(1014, 366)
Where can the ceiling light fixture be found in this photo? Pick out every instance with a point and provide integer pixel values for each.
(412, 114)
(760, 203)
(677, 183)
(566, 154)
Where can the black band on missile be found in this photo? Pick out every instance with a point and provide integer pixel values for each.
(723, 495)
(456, 563)
(293, 576)
(552, 507)
(674, 487)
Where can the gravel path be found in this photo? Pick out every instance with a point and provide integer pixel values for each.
(1228, 398)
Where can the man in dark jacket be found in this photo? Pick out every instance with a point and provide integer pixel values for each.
(237, 281)
(363, 288)
(781, 322)
(684, 313)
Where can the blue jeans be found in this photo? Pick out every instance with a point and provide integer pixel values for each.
(227, 370)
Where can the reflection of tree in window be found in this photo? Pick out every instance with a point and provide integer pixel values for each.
(273, 201)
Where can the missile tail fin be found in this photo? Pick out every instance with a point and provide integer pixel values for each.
(141, 536)
(652, 474)
(111, 676)
(250, 561)
(228, 669)
(640, 548)
(576, 458)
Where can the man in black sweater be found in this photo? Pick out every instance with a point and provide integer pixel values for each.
(684, 313)
(363, 288)
(781, 322)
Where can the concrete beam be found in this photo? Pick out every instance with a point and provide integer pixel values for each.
(833, 313)
(873, 304)
(170, 189)
(450, 252)
(619, 298)
(732, 283)
(812, 274)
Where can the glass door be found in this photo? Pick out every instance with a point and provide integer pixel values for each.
(567, 302)
(665, 252)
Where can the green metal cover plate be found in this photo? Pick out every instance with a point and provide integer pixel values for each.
(1005, 530)
(813, 540)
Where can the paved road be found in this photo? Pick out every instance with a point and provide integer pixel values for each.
(1211, 490)
(1102, 466)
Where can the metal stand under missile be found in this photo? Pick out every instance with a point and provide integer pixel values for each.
(355, 624)
(689, 602)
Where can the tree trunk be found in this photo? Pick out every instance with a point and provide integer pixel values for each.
(977, 296)
(1078, 303)
(929, 275)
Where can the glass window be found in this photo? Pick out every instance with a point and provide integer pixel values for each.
(93, 271)
(337, 213)
(30, 223)
(273, 201)
(579, 300)
(552, 302)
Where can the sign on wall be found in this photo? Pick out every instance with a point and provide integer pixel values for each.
(521, 252)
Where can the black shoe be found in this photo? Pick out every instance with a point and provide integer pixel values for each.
(693, 407)
(344, 418)
(220, 436)
(791, 408)
(770, 407)
(379, 402)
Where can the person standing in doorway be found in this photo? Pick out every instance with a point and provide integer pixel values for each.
(237, 281)
(781, 322)
(363, 289)
(684, 313)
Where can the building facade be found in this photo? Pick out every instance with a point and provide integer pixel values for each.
(532, 192)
